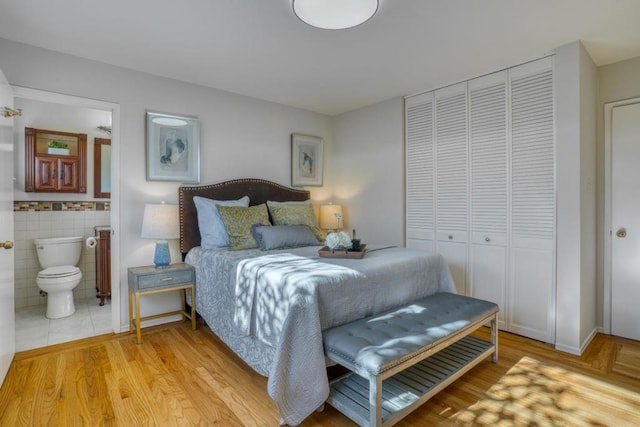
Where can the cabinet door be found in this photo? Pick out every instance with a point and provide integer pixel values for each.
(532, 269)
(488, 270)
(419, 172)
(488, 165)
(451, 179)
(68, 175)
(46, 170)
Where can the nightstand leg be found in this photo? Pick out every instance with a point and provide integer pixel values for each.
(138, 333)
(183, 299)
(193, 307)
(130, 312)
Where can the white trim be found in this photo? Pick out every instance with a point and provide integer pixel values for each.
(75, 101)
(606, 273)
(578, 351)
(590, 338)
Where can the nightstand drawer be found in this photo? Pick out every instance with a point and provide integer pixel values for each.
(149, 277)
(170, 278)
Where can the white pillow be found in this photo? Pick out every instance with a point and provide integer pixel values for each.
(213, 234)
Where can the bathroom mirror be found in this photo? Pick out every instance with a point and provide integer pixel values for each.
(102, 168)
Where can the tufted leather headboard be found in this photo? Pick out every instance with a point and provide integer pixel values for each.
(258, 190)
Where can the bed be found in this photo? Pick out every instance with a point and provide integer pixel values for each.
(270, 307)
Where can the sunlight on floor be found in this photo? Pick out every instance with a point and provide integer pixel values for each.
(533, 393)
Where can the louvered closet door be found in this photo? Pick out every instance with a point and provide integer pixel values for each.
(532, 270)
(419, 172)
(488, 189)
(451, 180)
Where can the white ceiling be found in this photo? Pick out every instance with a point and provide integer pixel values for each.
(260, 49)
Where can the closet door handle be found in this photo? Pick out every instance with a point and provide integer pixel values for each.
(621, 233)
(487, 239)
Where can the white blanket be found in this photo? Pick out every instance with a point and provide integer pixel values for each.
(287, 300)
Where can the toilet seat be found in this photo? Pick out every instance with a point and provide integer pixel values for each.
(58, 272)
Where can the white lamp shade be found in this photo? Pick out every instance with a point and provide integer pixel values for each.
(330, 217)
(335, 14)
(160, 221)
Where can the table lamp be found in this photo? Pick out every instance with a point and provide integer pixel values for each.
(330, 217)
(160, 221)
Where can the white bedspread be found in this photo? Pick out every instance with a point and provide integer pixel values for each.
(287, 300)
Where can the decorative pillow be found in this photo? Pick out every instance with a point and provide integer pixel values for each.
(212, 231)
(296, 215)
(283, 236)
(292, 202)
(238, 221)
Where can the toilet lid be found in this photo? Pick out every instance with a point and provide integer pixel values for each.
(59, 271)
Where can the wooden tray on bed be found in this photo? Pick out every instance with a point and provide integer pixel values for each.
(325, 252)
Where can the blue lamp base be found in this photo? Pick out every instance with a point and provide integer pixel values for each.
(162, 257)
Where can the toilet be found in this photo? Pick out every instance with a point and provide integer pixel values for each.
(58, 257)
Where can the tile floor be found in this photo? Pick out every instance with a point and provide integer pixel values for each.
(34, 330)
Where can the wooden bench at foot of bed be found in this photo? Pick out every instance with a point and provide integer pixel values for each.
(401, 358)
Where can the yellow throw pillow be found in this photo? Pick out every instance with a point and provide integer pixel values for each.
(238, 220)
(296, 215)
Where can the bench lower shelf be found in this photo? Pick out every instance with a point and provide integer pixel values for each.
(408, 389)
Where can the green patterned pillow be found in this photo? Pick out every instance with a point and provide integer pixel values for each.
(238, 221)
(296, 215)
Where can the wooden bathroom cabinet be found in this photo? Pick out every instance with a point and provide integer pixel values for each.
(47, 172)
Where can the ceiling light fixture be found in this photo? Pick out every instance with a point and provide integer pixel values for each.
(335, 14)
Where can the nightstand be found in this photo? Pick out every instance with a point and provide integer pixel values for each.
(151, 280)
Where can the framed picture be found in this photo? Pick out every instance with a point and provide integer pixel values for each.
(173, 148)
(306, 160)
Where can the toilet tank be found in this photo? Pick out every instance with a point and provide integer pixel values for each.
(58, 251)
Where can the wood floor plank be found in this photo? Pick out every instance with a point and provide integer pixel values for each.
(190, 378)
(174, 401)
(130, 395)
(96, 368)
(184, 372)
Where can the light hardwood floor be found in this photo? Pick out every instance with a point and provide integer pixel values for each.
(182, 377)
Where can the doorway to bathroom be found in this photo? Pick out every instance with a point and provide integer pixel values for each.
(51, 214)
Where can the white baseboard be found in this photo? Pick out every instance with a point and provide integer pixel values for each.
(590, 338)
(153, 322)
(579, 350)
(568, 349)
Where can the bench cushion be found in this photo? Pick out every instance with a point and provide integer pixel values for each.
(380, 342)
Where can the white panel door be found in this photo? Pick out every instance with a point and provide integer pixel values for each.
(7, 304)
(419, 172)
(531, 284)
(451, 180)
(625, 221)
(531, 294)
(488, 165)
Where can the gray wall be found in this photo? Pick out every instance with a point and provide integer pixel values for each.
(368, 171)
(240, 137)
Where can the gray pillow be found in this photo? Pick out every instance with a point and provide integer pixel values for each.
(213, 234)
(283, 236)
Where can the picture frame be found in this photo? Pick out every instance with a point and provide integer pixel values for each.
(173, 148)
(307, 153)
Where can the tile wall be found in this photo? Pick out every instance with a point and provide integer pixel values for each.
(34, 220)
